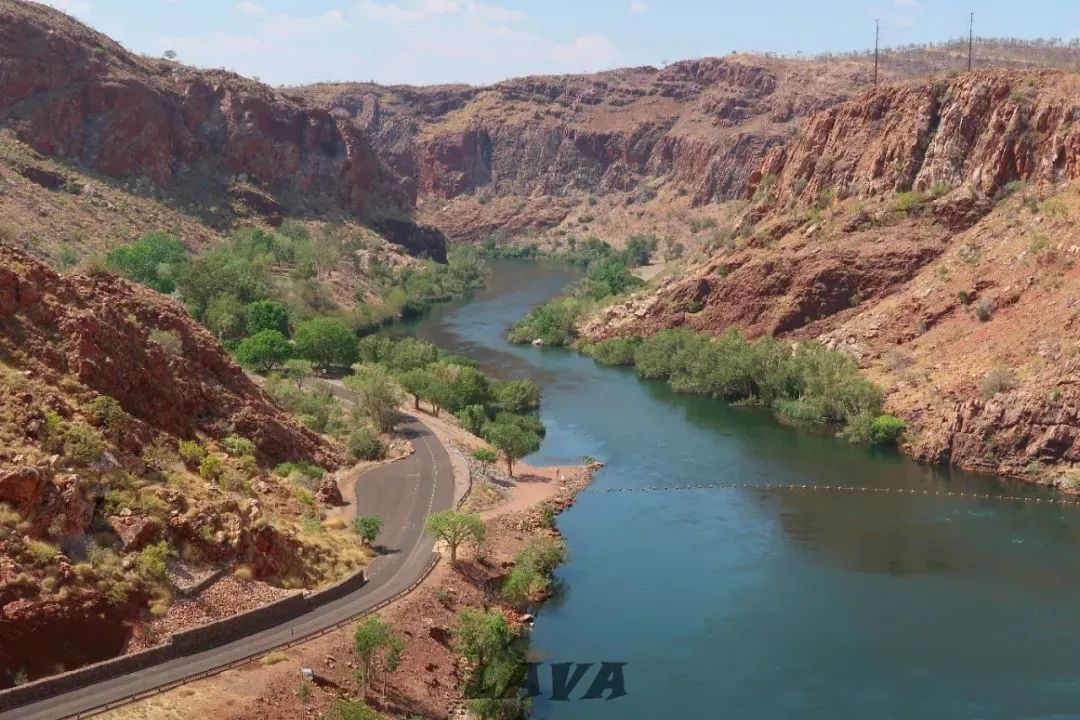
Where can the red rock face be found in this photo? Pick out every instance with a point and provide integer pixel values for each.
(981, 130)
(23, 487)
(98, 327)
(73, 93)
(704, 123)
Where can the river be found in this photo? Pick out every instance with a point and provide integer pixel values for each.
(777, 603)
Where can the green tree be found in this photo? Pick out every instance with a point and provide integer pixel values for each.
(416, 382)
(468, 386)
(609, 277)
(512, 441)
(326, 342)
(153, 260)
(263, 351)
(367, 527)
(363, 444)
(517, 396)
(887, 429)
(377, 395)
(225, 317)
(297, 370)
(486, 639)
(473, 418)
(266, 315)
(455, 528)
(531, 574)
(221, 272)
(374, 640)
(480, 635)
(639, 249)
(411, 354)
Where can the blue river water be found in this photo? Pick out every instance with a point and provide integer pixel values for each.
(772, 604)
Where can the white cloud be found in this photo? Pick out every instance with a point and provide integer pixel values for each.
(403, 41)
(249, 8)
(430, 10)
(637, 6)
(587, 52)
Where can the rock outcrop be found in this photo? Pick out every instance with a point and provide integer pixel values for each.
(925, 228)
(132, 344)
(70, 92)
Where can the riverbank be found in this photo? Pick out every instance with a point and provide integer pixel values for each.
(430, 676)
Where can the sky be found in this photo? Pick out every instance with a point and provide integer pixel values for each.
(289, 42)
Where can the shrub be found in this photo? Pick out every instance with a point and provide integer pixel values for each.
(473, 418)
(517, 396)
(151, 561)
(909, 202)
(237, 446)
(153, 260)
(613, 351)
(82, 445)
(856, 430)
(363, 444)
(266, 315)
(532, 568)
(326, 342)
(996, 381)
(107, 413)
(655, 357)
(552, 323)
(41, 553)
(367, 527)
(263, 351)
(169, 341)
(377, 395)
(300, 467)
(887, 429)
(484, 455)
(192, 453)
(212, 468)
(984, 308)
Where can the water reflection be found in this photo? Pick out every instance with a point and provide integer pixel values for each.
(780, 603)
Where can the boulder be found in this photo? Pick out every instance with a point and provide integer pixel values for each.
(135, 531)
(328, 492)
(23, 487)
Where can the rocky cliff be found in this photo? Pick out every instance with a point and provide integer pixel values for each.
(99, 381)
(924, 227)
(72, 93)
(704, 124)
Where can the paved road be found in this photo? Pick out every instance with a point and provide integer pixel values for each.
(402, 493)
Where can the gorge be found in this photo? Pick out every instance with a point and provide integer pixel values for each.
(162, 225)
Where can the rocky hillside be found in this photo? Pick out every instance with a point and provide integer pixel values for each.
(545, 142)
(72, 93)
(524, 155)
(100, 503)
(927, 228)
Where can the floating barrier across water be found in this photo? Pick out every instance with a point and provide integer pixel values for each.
(765, 487)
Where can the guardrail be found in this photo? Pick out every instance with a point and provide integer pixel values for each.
(127, 700)
(293, 642)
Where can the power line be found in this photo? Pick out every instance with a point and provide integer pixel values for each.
(971, 37)
(877, 37)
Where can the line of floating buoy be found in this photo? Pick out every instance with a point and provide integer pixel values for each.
(843, 488)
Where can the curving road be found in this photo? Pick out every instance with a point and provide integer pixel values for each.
(402, 493)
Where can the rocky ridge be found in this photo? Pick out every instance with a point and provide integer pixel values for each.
(924, 227)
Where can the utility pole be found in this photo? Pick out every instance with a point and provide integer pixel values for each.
(877, 37)
(971, 37)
